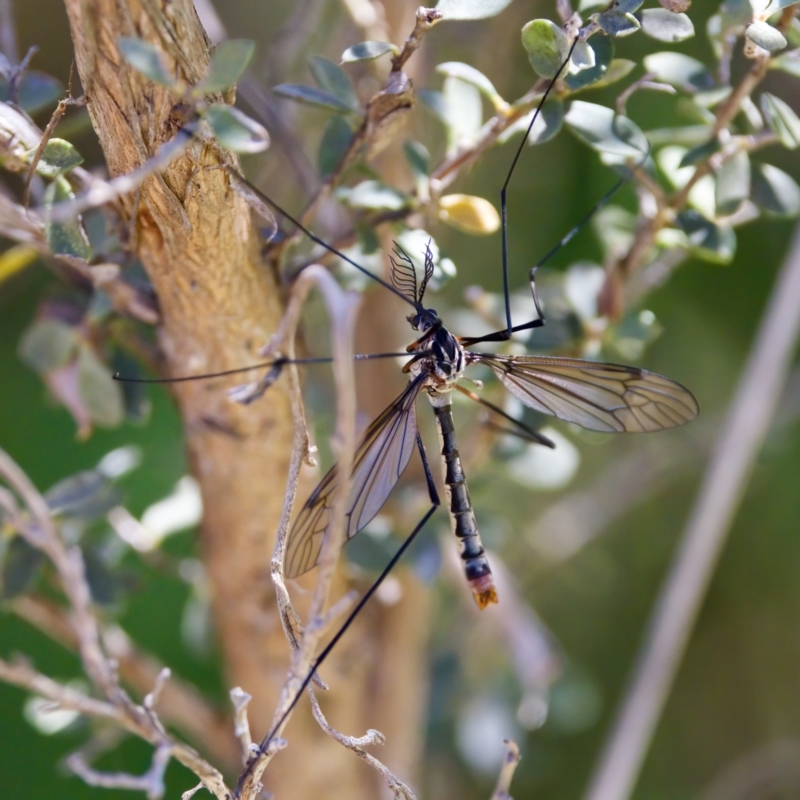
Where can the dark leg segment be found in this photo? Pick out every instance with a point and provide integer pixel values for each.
(435, 503)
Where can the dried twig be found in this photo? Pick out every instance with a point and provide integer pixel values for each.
(747, 423)
(507, 771)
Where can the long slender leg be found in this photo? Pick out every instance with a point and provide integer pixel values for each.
(529, 433)
(435, 503)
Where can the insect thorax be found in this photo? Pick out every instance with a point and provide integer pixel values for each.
(444, 365)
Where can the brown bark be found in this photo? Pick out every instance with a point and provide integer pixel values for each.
(219, 305)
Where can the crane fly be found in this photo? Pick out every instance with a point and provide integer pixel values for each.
(601, 397)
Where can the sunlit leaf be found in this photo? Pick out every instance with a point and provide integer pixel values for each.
(373, 195)
(782, 120)
(469, 214)
(582, 56)
(617, 23)
(101, 394)
(367, 51)
(331, 78)
(680, 71)
(733, 183)
(666, 26)
(614, 227)
(463, 112)
(59, 156)
(470, 9)
(311, 96)
(547, 46)
(235, 130)
(787, 62)
(228, 63)
(708, 240)
(603, 48)
(605, 131)
(765, 36)
(67, 238)
(146, 59)
(774, 191)
(47, 345)
(468, 74)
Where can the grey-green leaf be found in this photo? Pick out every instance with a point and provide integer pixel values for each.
(418, 157)
(47, 344)
(603, 48)
(21, 564)
(367, 51)
(228, 63)
(618, 69)
(617, 23)
(765, 36)
(101, 395)
(782, 120)
(787, 62)
(700, 153)
(235, 130)
(145, 58)
(59, 156)
(311, 96)
(709, 241)
(666, 26)
(64, 238)
(86, 495)
(775, 192)
(733, 183)
(547, 46)
(374, 196)
(470, 9)
(680, 71)
(468, 74)
(335, 141)
(331, 78)
(605, 131)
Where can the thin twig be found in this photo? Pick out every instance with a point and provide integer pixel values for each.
(676, 610)
(510, 762)
(241, 699)
(356, 745)
(341, 308)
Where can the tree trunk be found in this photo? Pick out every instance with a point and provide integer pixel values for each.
(219, 304)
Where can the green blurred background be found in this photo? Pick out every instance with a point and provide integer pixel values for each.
(737, 689)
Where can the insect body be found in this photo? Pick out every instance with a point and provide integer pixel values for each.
(601, 397)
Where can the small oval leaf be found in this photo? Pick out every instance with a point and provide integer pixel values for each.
(101, 395)
(64, 238)
(707, 240)
(666, 26)
(47, 345)
(311, 96)
(470, 9)
(765, 36)
(469, 214)
(59, 156)
(617, 23)
(468, 74)
(775, 192)
(602, 47)
(680, 71)
(146, 59)
(733, 183)
(367, 51)
(228, 63)
(782, 120)
(605, 131)
(547, 46)
(235, 130)
(331, 78)
(335, 141)
(374, 196)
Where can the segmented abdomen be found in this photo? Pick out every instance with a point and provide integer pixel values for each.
(476, 565)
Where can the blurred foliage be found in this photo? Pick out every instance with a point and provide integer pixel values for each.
(736, 689)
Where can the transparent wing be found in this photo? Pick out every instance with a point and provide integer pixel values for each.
(380, 460)
(597, 396)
